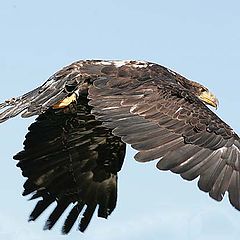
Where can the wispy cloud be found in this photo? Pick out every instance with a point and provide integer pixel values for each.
(171, 223)
(14, 228)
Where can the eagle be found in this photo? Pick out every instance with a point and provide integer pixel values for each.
(86, 114)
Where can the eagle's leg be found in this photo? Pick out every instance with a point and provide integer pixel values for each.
(65, 102)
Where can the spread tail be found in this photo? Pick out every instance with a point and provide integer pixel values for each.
(14, 106)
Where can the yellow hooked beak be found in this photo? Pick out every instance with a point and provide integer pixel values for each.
(209, 98)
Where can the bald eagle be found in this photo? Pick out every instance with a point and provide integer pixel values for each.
(88, 112)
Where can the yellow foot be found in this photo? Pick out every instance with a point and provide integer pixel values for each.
(65, 102)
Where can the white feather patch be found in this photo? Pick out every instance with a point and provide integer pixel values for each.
(110, 108)
(172, 72)
(179, 109)
(103, 63)
(120, 63)
(135, 64)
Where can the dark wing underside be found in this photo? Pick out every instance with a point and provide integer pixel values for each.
(165, 122)
(70, 158)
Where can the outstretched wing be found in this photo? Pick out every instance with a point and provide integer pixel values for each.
(59, 86)
(163, 121)
(71, 159)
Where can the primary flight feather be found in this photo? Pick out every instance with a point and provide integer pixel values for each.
(88, 112)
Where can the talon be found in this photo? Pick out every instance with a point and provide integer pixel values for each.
(65, 102)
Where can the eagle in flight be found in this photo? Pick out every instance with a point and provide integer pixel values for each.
(88, 112)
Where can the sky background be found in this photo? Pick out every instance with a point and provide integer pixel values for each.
(198, 39)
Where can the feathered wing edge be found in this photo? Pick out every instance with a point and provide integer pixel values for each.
(69, 158)
(184, 134)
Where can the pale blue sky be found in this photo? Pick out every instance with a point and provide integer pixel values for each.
(199, 39)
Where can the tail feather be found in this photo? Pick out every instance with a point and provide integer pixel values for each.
(14, 106)
(32, 103)
(3, 105)
(11, 111)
